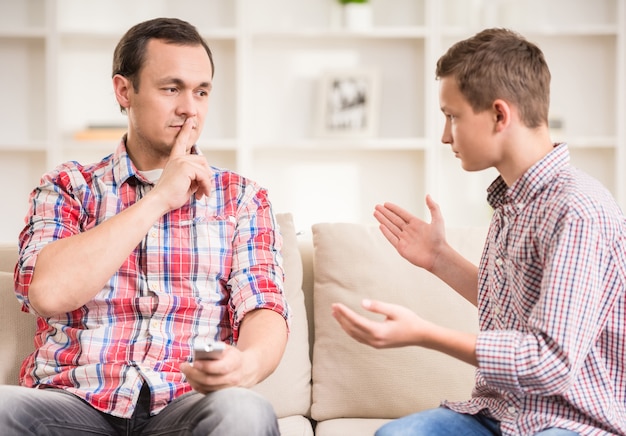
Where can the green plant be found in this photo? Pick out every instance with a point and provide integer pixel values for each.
(343, 2)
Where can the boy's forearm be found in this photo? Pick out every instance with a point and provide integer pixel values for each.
(460, 345)
(459, 273)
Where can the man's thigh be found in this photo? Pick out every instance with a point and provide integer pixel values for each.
(48, 411)
(228, 412)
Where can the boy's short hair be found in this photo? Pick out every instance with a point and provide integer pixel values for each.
(499, 63)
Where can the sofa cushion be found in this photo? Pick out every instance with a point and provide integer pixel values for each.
(289, 387)
(295, 425)
(349, 426)
(355, 261)
(16, 334)
(8, 257)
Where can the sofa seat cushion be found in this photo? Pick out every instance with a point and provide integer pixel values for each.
(349, 426)
(296, 426)
(353, 262)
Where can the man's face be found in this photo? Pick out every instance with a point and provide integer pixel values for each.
(174, 84)
(469, 134)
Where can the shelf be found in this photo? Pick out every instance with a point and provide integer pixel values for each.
(24, 33)
(107, 34)
(23, 106)
(267, 102)
(564, 17)
(289, 73)
(24, 146)
(326, 145)
(532, 32)
(23, 16)
(373, 33)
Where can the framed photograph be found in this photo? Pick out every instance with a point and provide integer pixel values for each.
(348, 103)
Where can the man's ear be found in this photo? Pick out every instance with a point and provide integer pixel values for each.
(502, 114)
(122, 88)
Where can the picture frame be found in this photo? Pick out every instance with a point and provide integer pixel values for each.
(348, 103)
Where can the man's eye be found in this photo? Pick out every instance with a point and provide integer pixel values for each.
(203, 93)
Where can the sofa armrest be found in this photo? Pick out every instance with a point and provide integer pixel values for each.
(8, 257)
(17, 330)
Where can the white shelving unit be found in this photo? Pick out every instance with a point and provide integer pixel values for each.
(270, 55)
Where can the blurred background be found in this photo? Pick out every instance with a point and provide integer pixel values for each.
(330, 105)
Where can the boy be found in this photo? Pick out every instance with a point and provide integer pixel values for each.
(550, 288)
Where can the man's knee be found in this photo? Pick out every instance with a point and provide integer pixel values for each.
(47, 411)
(241, 412)
(19, 404)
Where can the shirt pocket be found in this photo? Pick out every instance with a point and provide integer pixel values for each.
(211, 243)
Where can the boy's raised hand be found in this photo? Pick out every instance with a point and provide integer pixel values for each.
(417, 241)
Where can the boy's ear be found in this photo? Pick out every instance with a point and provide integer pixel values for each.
(502, 114)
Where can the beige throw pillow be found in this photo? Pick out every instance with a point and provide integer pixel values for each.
(355, 261)
(289, 387)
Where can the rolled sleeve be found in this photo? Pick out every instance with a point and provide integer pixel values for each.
(257, 276)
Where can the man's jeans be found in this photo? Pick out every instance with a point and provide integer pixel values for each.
(445, 422)
(228, 412)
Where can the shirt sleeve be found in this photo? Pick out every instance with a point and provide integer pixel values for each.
(575, 299)
(54, 213)
(257, 273)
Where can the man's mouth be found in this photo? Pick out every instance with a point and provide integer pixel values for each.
(180, 126)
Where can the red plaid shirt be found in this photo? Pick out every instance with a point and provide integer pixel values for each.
(195, 275)
(552, 303)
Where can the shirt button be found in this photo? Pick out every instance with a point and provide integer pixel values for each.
(512, 410)
(496, 310)
(499, 261)
(153, 234)
(154, 324)
(153, 286)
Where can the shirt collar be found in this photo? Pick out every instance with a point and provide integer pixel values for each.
(531, 183)
(124, 168)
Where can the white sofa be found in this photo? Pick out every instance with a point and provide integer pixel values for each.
(327, 383)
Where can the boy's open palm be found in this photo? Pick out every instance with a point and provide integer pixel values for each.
(401, 326)
(417, 241)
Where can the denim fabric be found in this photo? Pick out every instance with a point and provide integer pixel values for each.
(228, 412)
(445, 422)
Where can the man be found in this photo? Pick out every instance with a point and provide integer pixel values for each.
(550, 288)
(133, 261)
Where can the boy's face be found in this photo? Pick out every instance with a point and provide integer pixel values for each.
(174, 84)
(470, 134)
